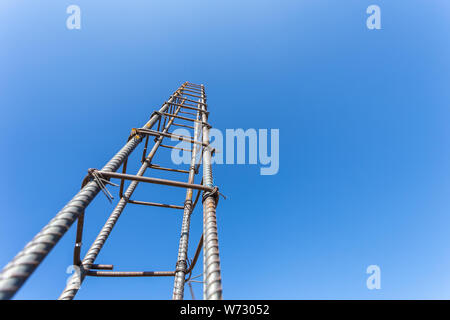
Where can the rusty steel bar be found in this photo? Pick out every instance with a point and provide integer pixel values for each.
(177, 148)
(122, 182)
(190, 84)
(169, 135)
(130, 273)
(78, 240)
(20, 268)
(180, 117)
(102, 266)
(190, 100)
(196, 255)
(181, 265)
(192, 95)
(182, 125)
(189, 113)
(165, 182)
(188, 106)
(154, 204)
(77, 278)
(157, 167)
(193, 91)
(196, 199)
(211, 272)
(144, 152)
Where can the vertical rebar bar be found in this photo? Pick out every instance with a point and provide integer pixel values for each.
(211, 272)
(181, 265)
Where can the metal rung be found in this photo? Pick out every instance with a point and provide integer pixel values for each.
(193, 91)
(130, 273)
(188, 107)
(197, 102)
(172, 147)
(192, 95)
(182, 125)
(191, 87)
(102, 266)
(154, 204)
(170, 135)
(193, 84)
(184, 112)
(180, 117)
(157, 167)
(165, 182)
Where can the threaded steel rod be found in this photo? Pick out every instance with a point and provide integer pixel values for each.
(211, 272)
(181, 265)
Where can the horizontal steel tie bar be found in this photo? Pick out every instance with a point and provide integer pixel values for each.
(170, 135)
(199, 92)
(172, 183)
(193, 84)
(193, 91)
(130, 273)
(188, 107)
(190, 113)
(192, 95)
(180, 117)
(171, 147)
(157, 167)
(182, 125)
(194, 88)
(154, 204)
(187, 138)
(197, 102)
(102, 266)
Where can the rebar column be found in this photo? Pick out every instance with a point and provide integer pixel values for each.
(20, 268)
(77, 278)
(211, 264)
(181, 265)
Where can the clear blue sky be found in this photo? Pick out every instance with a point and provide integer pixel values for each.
(364, 140)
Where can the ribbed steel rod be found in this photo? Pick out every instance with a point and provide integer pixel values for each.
(16, 272)
(211, 264)
(181, 265)
(77, 278)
